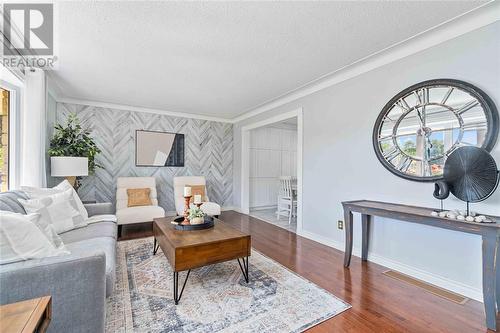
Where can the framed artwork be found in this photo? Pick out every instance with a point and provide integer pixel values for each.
(159, 149)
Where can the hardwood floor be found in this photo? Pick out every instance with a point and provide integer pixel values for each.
(379, 303)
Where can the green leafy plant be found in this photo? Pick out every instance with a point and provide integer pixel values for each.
(73, 140)
(195, 212)
(410, 148)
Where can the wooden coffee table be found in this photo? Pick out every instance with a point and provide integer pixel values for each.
(186, 250)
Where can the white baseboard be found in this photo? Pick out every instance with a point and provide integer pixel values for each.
(230, 208)
(428, 277)
(235, 208)
(264, 207)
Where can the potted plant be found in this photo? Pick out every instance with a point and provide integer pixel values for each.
(70, 147)
(196, 215)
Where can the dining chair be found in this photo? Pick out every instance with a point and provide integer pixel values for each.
(287, 201)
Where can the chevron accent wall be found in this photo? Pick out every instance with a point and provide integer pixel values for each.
(208, 149)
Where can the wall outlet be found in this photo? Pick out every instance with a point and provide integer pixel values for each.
(340, 224)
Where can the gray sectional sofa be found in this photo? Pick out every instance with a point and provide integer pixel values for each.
(78, 283)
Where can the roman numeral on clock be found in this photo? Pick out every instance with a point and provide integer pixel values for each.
(405, 163)
(391, 154)
(403, 105)
(467, 106)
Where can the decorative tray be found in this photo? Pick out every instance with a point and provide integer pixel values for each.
(208, 223)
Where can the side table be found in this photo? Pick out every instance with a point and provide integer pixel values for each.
(32, 315)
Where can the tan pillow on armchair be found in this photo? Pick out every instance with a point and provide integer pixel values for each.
(138, 197)
(197, 189)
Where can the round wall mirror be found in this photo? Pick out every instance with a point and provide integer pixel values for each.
(423, 124)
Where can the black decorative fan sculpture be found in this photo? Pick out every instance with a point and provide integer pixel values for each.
(471, 174)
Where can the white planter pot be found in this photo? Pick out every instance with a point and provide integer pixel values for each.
(197, 220)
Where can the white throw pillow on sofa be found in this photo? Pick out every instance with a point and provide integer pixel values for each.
(24, 237)
(44, 225)
(57, 210)
(36, 192)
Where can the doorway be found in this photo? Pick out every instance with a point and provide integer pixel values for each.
(272, 149)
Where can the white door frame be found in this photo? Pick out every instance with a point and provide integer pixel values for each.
(245, 159)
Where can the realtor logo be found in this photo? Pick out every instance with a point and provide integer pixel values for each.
(28, 29)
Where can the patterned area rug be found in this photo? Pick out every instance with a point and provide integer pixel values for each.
(216, 297)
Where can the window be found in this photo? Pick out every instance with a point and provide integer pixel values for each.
(4, 139)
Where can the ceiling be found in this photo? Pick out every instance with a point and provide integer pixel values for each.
(221, 59)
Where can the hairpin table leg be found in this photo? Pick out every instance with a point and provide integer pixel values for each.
(155, 246)
(177, 296)
(244, 268)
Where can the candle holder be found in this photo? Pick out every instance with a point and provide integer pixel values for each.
(186, 210)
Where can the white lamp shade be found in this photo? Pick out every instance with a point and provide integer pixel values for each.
(68, 166)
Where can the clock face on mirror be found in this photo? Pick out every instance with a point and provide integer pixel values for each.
(421, 126)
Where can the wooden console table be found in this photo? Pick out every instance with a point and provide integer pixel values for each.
(32, 315)
(490, 233)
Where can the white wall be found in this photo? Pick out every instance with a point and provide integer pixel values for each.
(339, 161)
(272, 153)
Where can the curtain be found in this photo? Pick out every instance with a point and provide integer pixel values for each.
(33, 130)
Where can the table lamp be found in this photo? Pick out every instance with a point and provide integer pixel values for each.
(69, 167)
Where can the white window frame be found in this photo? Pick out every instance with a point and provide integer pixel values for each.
(14, 132)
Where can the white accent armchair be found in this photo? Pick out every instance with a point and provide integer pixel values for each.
(209, 208)
(137, 214)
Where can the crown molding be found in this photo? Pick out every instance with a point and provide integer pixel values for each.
(455, 27)
(141, 109)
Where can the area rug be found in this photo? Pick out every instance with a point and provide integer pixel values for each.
(216, 297)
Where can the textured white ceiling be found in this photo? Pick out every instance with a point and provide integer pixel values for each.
(223, 58)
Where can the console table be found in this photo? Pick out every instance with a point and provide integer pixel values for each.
(490, 233)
